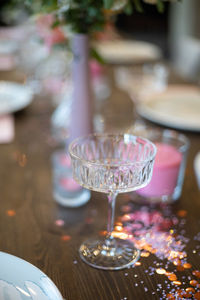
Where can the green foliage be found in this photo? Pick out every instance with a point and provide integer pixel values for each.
(83, 16)
(108, 4)
(160, 5)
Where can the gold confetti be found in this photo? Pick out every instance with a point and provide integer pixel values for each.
(193, 282)
(190, 290)
(182, 213)
(172, 277)
(118, 228)
(196, 273)
(180, 268)
(22, 160)
(177, 282)
(187, 266)
(171, 296)
(138, 263)
(177, 262)
(145, 254)
(65, 238)
(181, 294)
(197, 296)
(11, 212)
(160, 271)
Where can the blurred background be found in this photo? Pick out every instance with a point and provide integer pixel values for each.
(152, 43)
(176, 31)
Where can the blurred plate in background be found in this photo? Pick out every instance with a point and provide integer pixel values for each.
(177, 107)
(127, 51)
(14, 96)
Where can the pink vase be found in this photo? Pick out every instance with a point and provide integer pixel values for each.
(81, 122)
(66, 190)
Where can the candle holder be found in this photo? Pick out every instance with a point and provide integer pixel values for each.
(169, 168)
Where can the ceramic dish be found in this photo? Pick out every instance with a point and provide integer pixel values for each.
(14, 97)
(20, 280)
(177, 107)
(127, 51)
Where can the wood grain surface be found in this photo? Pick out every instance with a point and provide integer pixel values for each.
(28, 214)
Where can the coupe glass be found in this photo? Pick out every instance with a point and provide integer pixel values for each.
(111, 164)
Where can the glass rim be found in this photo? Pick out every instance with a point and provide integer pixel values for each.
(107, 135)
(173, 134)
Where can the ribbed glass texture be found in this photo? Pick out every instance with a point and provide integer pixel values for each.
(112, 163)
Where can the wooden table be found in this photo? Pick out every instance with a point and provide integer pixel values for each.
(28, 216)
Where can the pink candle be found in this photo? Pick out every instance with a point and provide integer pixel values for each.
(165, 172)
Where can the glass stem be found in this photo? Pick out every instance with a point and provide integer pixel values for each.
(111, 214)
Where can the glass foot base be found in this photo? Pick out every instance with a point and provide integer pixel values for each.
(72, 200)
(109, 255)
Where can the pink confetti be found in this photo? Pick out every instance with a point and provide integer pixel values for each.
(59, 222)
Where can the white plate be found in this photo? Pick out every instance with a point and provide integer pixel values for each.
(20, 280)
(14, 97)
(177, 107)
(127, 51)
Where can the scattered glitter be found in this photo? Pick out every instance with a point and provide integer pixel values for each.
(65, 238)
(11, 212)
(182, 213)
(187, 266)
(144, 254)
(135, 275)
(172, 277)
(138, 263)
(197, 237)
(170, 296)
(59, 222)
(126, 274)
(193, 282)
(177, 282)
(160, 271)
(22, 160)
(190, 290)
(197, 296)
(75, 262)
(196, 273)
(180, 268)
(177, 262)
(151, 229)
(118, 228)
